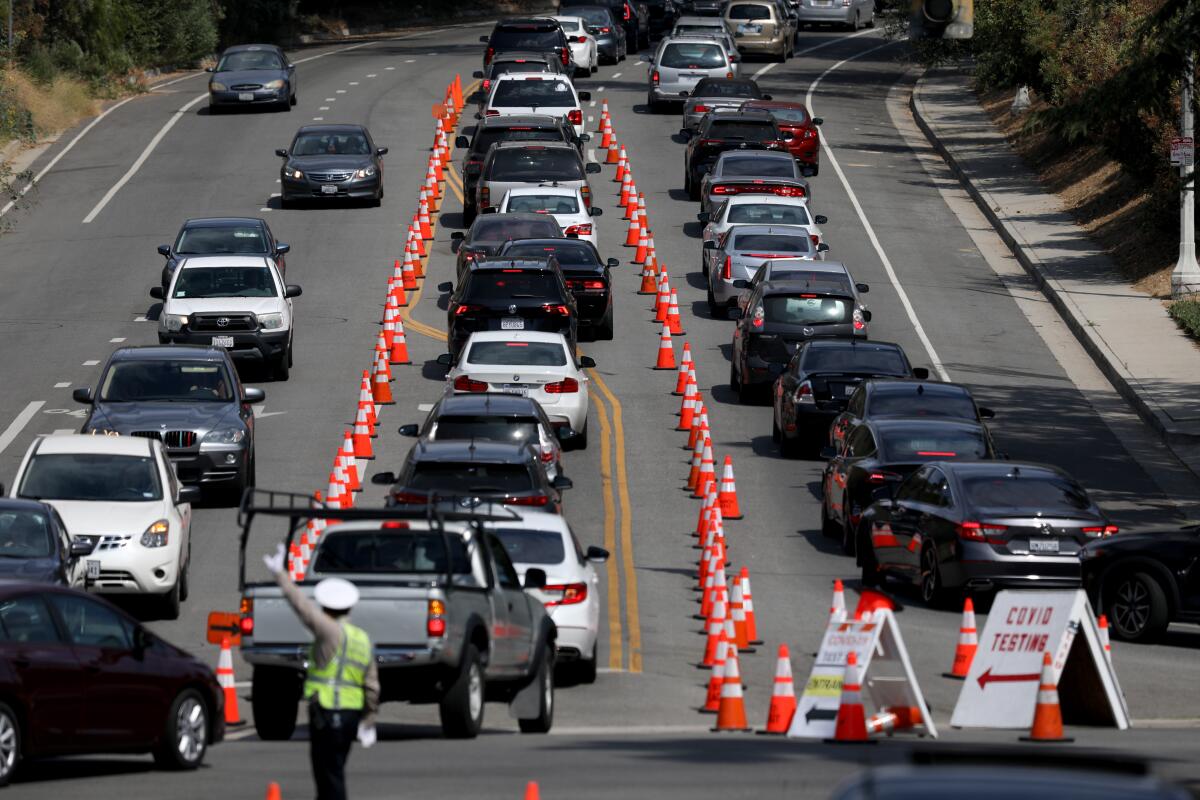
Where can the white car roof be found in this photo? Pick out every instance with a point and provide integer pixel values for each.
(224, 261)
(87, 443)
(761, 199)
(807, 265)
(568, 18)
(517, 336)
(544, 189)
(534, 521)
(541, 76)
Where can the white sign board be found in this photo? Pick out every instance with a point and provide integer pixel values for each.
(887, 677)
(1001, 688)
(1182, 151)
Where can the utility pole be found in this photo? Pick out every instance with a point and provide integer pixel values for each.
(1185, 279)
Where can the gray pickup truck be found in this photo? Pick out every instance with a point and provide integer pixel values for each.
(449, 618)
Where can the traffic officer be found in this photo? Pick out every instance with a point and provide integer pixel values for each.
(342, 683)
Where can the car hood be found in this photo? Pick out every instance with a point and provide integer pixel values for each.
(41, 570)
(127, 417)
(323, 161)
(83, 517)
(214, 305)
(259, 76)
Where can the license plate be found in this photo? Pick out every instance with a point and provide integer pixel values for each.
(749, 28)
(848, 390)
(1043, 545)
(512, 324)
(328, 190)
(222, 341)
(245, 96)
(93, 569)
(515, 388)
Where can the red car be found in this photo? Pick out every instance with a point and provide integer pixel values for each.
(77, 675)
(805, 145)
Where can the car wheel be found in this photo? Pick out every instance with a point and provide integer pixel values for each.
(854, 26)
(783, 54)
(848, 540)
(789, 446)
(275, 701)
(733, 376)
(10, 743)
(816, 169)
(286, 202)
(283, 367)
(185, 738)
(168, 604)
(545, 681)
(461, 708)
(933, 594)
(604, 331)
(293, 99)
(184, 588)
(1136, 606)
(585, 670)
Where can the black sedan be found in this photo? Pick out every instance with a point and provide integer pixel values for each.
(331, 162)
(78, 675)
(912, 399)
(880, 454)
(510, 294)
(252, 74)
(35, 546)
(815, 386)
(1143, 581)
(587, 277)
(980, 526)
(490, 232)
(217, 236)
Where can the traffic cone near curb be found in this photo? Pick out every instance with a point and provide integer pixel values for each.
(349, 461)
(362, 436)
(731, 713)
(614, 153)
(634, 233)
(968, 643)
(673, 320)
(666, 353)
(727, 496)
(687, 409)
(685, 371)
(643, 244)
(225, 679)
(707, 473)
(381, 389)
(531, 791)
(837, 609)
(712, 701)
(716, 631)
(649, 281)
(748, 602)
(851, 724)
(783, 695)
(737, 612)
(1047, 715)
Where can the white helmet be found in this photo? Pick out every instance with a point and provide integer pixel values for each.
(336, 594)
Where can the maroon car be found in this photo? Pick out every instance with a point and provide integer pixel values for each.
(77, 675)
(805, 144)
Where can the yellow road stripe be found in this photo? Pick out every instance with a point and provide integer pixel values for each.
(615, 639)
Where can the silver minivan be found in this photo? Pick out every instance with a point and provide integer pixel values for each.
(679, 64)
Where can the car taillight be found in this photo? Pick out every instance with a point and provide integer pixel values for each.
(571, 593)
(464, 383)
(547, 456)
(727, 270)
(575, 117)
(1101, 530)
(409, 497)
(860, 323)
(580, 39)
(563, 53)
(881, 477)
(759, 317)
(556, 308)
(804, 393)
(246, 622)
(487, 84)
(579, 230)
(491, 112)
(628, 13)
(594, 286)
(586, 193)
(466, 308)
(816, 240)
(487, 56)
(722, 189)
(565, 386)
(980, 531)
(435, 622)
(701, 108)
(810, 133)
(789, 191)
(729, 74)
(527, 500)
(485, 196)
(654, 77)
(606, 30)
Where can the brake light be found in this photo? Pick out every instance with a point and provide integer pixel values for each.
(485, 196)
(860, 322)
(937, 453)
(654, 77)
(409, 497)
(772, 255)
(789, 191)
(580, 39)
(1101, 530)
(565, 386)
(727, 270)
(722, 189)
(246, 623)
(628, 13)
(980, 531)
(435, 623)
(463, 383)
(487, 84)
(728, 74)
(491, 112)
(469, 255)
(594, 286)
(575, 116)
(881, 477)
(547, 456)
(466, 308)
(804, 393)
(700, 107)
(527, 500)
(394, 525)
(816, 240)
(586, 193)
(487, 56)
(606, 30)
(579, 230)
(759, 317)
(564, 55)
(572, 593)
(553, 308)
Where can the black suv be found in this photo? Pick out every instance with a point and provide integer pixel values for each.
(532, 34)
(736, 130)
(586, 274)
(517, 128)
(465, 474)
(498, 294)
(489, 233)
(221, 236)
(633, 16)
(188, 397)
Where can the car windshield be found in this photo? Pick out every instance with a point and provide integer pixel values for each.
(806, 310)
(594, 16)
(97, 477)
(517, 430)
(795, 116)
(1020, 493)
(536, 164)
(912, 403)
(331, 144)
(853, 359)
(769, 214)
(554, 92)
(726, 88)
(922, 444)
(826, 282)
(759, 167)
(249, 60)
(766, 245)
(569, 254)
(197, 282)
(525, 39)
(453, 480)
(743, 131)
(692, 55)
(489, 285)
(489, 229)
(486, 137)
(165, 381)
(25, 534)
(533, 354)
(207, 240)
(749, 12)
(543, 204)
(568, 24)
(532, 547)
(391, 551)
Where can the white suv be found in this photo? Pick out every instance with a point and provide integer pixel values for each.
(119, 493)
(239, 303)
(537, 93)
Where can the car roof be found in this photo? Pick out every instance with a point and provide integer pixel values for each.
(522, 144)
(771, 288)
(695, 19)
(171, 352)
(223, 261)
(452, 450)
(806, 264)
(840, 343)
(518, 120)
(517, 336)
(544, 188)
(523, 21)
(900, 386)
(765, 155)
(87, 443)
(342, 127)
(544, 241)
(501, 262)
(21, 504)
(488, 403)
(738, 81)
(221, 222)
(538, 76)
(690, 38)
(239, 48)
(1004, 468)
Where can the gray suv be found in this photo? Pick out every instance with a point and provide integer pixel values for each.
(680, 64)
(508, 165)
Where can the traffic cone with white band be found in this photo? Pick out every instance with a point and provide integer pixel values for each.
(748, 602)
(968, 643)
(1047, 715)
(731, 712)
(783, 695)
(728, 493)
(226, 681)
(851, 724)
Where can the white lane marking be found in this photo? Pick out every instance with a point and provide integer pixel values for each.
(827, 152)
(276, 194)
(600, 89)
(265, 208)
(330, 99)
(638, 63)
(591, 118)
(615, 75)
(261, 412)
(277, 180)
(389, 69)
(323, 108)
(372, 75)
(117, 339)
(410, 61)
(591, 104)
(591, 154)
(158, 86)
(141, 159)
(339, 50)
(19, 422)
(318, 119)
(424, 406)
(763, 70)
(352, 83)
(62, 384)
(61, 431)
(339, 91)
(142, 318)
(91, 362)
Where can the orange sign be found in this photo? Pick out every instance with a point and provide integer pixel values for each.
(223, 624)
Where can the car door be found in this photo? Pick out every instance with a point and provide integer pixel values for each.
(857, 483)
(935, 503)
(48, 672)
(1189, 586)
(848, 418)
(519, 628)
(785, 388)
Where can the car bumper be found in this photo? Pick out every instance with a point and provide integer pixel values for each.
(747, 44)
(247, 345)
(134, 569)
(834, 15)
(592, 307)
(261, 97)
(221, 465)
(809, 418)
(984, 571)
(606, 47)
(758, 371)
(304, 189)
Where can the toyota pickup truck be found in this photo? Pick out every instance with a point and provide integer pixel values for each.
(450, 621)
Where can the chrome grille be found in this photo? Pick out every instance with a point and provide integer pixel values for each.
(330, 177)
(233, 322)
(175, 439)
(147, 435)
(106, 542)
(246, 87)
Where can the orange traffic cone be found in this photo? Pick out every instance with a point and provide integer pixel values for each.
(737, 612)
(687, 410)
(694, 470)
(1102, 626)
(728, 493)
(273, 792)
(626, 188)
(606, 134)
(399, 351)
(423, 215)
(702, 521)
(731, 713)
(1047, 716)
(712, 700)
(968, 643)
(870, 601)
(333, 494)
(715, 589)
(748, 603)
(396, 291)
(362, 437)
(666, 353)
(364, 397)
(390, 312)
(715, 628)
(673, 320)
(837, 609)
(783, 695)
(639, 256)
(634, 234)
(699, 422)
(851, 725)
(225, 679)
(348, 462)
(614, 152)
(707, 472)
(622, 165)
(685, 371)
(418, 241)
(381, 388)
(662, 302)
(408, 275)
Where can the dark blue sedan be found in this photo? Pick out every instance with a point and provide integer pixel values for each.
(252, 74)
(34, 545)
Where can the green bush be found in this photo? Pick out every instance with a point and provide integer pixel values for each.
(1187, 314)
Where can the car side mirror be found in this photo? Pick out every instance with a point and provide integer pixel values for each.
(251, 394)
(612, 263)
(282, 249)
(735, 314)
(920, 373)
(684, 94)
(704, 217)
(281, 153)
(986, 413)
(82, 547)
(445, 360)
(292, 290)
(156, 292)
(535, 578)
(828, 452)
(411, 429)
(562, 483)
(478, 74)
(383, 478)
(445, 286)
(585, 137)
(565, 434)
(164, 250)
(741, 283)
(587, 362)
(462, 141)
(456, 236)
(821, 219)
(862, 287)
(594, 553)
(592, 168)
(822, 248)
(188, 494)
(818, 121)
(585, 96)
(596, 211)
(767, 97)
(381, 151)
(478, 115)
(709, 245)
(82, 396)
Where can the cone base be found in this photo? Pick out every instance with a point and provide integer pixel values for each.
(385, 402)
(394, 363)
(770, 733)
(850, 741)
(954, 677)
(672, 368)
(731, 516)
(229, 724)
(746, 729)
(1062, 740)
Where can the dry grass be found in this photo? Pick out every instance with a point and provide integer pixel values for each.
(55, 107)
(1102, 199)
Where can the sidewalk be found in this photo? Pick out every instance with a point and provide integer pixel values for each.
(1128, 334)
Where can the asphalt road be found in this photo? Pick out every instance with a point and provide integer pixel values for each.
(940, 285)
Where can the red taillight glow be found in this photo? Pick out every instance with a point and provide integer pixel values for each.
(579, 230)
(789, 191)
(491, 112)
(586, 193)
(1101, 530)
(759, 318)
(701, 108)
(936, 453)
(547, 456)
(409, 497)
(575, 117)
(593, 286)
(246, 624)
(394, 525)
(727, 270)
(980, 531)
(435, 622)
(466, 309)
(463, 383)
(628, 13)
(816, 240)
(561, 310)
(571, 593)
(772, 255)
(487, 56)
(564, 55)
(606, 30)
(654, 77)
(485, 196)
(804, 393)
(487, 84)
(565, 386)
(881, 477)
(527, 500)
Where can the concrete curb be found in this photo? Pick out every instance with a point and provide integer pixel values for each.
(1125, 382)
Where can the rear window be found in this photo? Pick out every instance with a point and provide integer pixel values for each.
(767, 245)
(826, 282)
(687, 55)
(796, 116)
(454, 480)
(540, 354)
(391, 551)
(568, 24)
(528, 165)
(487, 286)
(911, 404)
(490, 136)
(595, 16)
(516, 430)
(711, 88)
(761, 167)
(504, 67)
(532, 547)
(569, 254)
(1051, 495)
(525, 39)
(769, 214)
(926, 445)
(798, 310)
(853, 359)
(743, 131)
(499, 229)
(543, 204)
(234, 240)
(749, 12)
(533, 92)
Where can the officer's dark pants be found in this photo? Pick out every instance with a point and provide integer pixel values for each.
(330, 734)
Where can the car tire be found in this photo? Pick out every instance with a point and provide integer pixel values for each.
(275, 701)
(286, 202)
(1136, 606)
(461, 708)
(168, 603)
(783, 55)
(581, 441)
(293, 99)
(10, 743)
(816, 169)
(933, 594)
(693, 189)
(545, 681)
(829, 528)
(185, 734)
(585, 670)
(282, 368)
(604, 330)
(871, 19)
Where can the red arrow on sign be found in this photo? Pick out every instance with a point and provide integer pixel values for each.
(987, 677)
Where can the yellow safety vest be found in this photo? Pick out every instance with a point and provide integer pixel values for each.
(338, 686)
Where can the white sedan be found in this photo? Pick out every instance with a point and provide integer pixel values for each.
(759, 210)
(523, 93)
(531, 364)
(572, 592)
(583, 45)
(564, 203)
(120, 494)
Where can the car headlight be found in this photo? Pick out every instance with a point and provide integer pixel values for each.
(172, 322)
(225, 436)
(270, 322)
(274, 85)
(157, 534)
(217, 86)
(365, 172)
(293, 173)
